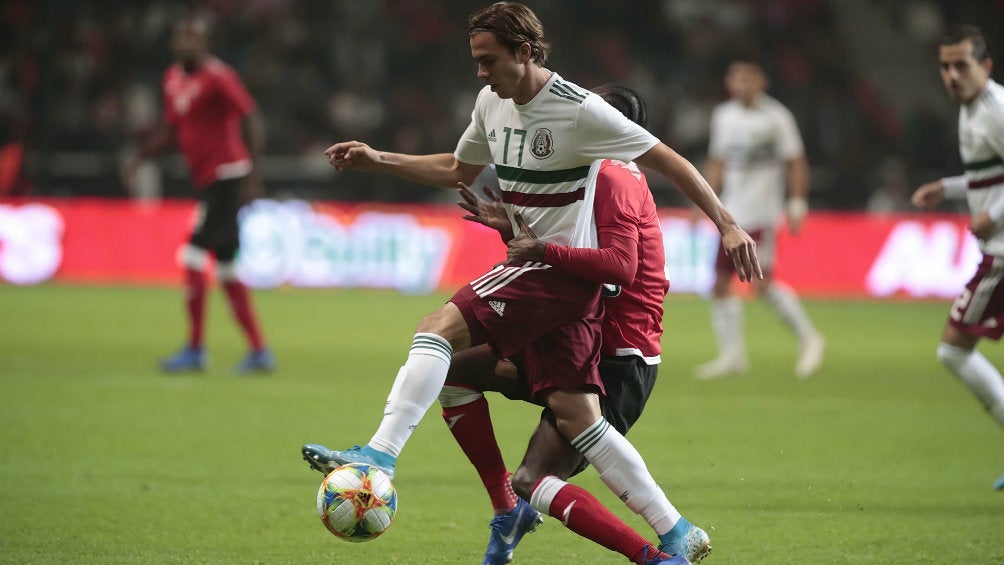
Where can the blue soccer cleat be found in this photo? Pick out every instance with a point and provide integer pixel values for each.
(999, 485)
(687, 540)
(187, 359)
(258, 361)
(660, 558)
(508, 529)
(327, 460)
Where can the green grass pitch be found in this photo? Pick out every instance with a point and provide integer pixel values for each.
(880, 458)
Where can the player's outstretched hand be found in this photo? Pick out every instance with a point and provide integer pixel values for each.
(354, 155)
(488, 212)
(742, 249)
(928, 196)
(525, 246)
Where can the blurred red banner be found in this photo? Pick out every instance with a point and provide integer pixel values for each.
(416, 248)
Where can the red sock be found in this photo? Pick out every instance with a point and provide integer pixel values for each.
(195, 304)
(582, 513)
(240, 305)
(471, 425)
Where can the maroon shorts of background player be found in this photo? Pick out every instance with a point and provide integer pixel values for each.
(979, 308)
(765, 246)
(553, 317)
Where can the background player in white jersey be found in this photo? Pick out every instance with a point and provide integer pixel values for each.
(543, 135)
(755, 152)
(978, 312)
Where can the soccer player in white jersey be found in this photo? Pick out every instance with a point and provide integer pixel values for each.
(755, 152)
(630, 254)
(543, 134)
(978, 312)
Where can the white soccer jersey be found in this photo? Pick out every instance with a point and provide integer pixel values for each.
(981, 147)
(543, 150)
(755, 145)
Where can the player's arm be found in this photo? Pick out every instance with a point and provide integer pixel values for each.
(737, 243)
(798, 192)
(253, 126)
(442, 169)
(161, 139)
(615, 262)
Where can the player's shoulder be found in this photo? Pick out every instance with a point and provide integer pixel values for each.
(621, 173)
(172, 71)
(773, 105)
(566, 91)
(726, 107)
(992, 98)
(217, 66)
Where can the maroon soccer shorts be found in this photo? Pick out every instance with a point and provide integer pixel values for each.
(553, 317)
(979, 308)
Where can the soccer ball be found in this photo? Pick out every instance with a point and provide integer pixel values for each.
(357, 502)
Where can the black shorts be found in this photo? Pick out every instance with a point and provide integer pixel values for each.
(216, 226)
(628, 382)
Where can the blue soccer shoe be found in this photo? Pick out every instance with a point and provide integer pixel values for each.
(508, 529)
(258, 361)
(187, 359)
(327, 460)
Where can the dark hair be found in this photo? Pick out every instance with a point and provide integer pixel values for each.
(626, 101)
(961, 32)
(513, 25)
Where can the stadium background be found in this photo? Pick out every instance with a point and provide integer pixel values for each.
(79, 89)
(881, 458)
(79, 82)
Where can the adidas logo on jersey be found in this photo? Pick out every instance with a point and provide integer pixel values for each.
(491, 135)
(498, 306)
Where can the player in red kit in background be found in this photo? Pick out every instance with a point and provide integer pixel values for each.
(205, 107)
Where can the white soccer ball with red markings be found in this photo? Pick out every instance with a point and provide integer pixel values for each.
(357, 502)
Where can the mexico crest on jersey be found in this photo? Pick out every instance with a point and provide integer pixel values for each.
(542, 144)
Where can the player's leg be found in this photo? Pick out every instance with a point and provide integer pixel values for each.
(194, 259)
(416, 387)
(550, 459)
(623, 470)
(726, 325)
(473, 315)
(978, 312)
(221, 234)
(957, 351)
(466, 413)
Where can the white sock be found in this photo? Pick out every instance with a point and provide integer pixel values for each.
(623, 470)
(783, 300)
(727, 324)
(543, 494)
(415, 389)
(978, 374)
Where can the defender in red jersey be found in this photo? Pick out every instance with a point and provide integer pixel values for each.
(205, 107)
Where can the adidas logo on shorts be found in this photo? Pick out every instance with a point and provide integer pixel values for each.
(498, 306)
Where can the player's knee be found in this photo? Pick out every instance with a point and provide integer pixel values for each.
(523, 481)
(227, 271)
(193, 257)
(448, 323)
(952, 356)
(452, 396)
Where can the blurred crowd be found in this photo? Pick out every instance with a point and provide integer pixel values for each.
(79, 83)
